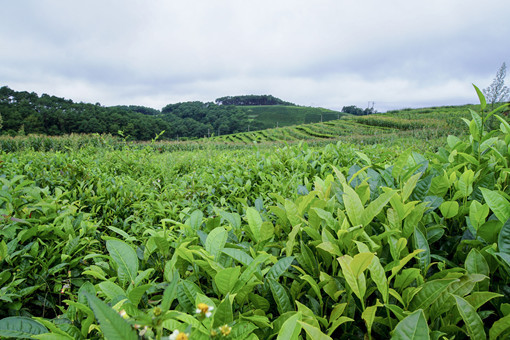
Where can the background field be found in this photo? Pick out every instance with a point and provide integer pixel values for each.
(362, 227)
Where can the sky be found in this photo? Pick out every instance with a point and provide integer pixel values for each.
(323, 53)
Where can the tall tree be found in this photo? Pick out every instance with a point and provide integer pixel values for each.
(497, 91)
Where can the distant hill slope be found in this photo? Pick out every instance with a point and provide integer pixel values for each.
(271, 116)
(424, 123)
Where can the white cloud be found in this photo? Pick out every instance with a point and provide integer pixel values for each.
(325, 53)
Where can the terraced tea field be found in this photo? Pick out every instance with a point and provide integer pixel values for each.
(420, 123)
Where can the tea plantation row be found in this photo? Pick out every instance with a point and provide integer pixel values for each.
(336, 242)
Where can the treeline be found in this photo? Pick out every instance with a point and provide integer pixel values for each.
(252, 100)
(354, 110)
(27, 113)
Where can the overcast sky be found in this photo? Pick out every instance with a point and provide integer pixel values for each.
(326, 53)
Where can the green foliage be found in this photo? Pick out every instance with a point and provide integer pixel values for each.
(285, 242)
(50, 115)
(251, 100)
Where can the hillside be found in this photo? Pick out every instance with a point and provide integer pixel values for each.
(28, 113)
(271, 116)
(423, 123)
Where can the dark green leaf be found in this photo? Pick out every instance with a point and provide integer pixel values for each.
(223, 314)
(20, 327)
(279, 267)
(280, 296)
(420, 242)
(499, 327)
(412, 327)
(111, 323)
(474, 324)
(429, 292)
(504, 238)
(125, 258)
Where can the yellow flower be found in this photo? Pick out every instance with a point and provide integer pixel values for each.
(204, 309)
(176, 335)
(225, 330)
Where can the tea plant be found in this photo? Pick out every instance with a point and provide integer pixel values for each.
(289, 242)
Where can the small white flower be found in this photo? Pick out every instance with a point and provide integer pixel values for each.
(204, 309)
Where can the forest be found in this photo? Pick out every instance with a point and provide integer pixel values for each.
(27, 113)
(252, 100)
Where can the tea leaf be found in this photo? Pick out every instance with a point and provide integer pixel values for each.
(504, 238)
(125, 258)
(412, 327)
(136, 294)
(498, 204)
(280, 296)
(195, 219)
(223, 314)
(399, 312)
(266, 231)
(369, 315)
(481, 98)
(226, 279)
(170, 293)
(111, 290)
(314, 285)
(20, 327)
(420, 242)
(355, 282)
(308, 315)
(242, 330)
(338, 322)
(307, 260)
(499, 327)
(429, 292)
(410, 185)
(254, 223)
(476, 263)
(465, 184)
(449, 209)
(85, 324)
(291, 328)
(111, 323)
(474, 324)
(3, 250)
(238, 255)
(353, 205)
(249, 272)
(216, 241)
(360, 263)
(279, 267)
(314, 332)
(379, 277)
(478, 299)
(376, 206)
(478, 213)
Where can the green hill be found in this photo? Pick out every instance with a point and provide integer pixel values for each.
(424, 123)
(271, 116)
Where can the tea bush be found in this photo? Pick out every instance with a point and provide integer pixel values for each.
(286, 242)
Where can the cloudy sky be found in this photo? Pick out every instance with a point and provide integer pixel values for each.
(327, 53)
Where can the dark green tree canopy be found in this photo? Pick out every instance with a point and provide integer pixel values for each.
(251, 100)
(354, 110)
(27, 112)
